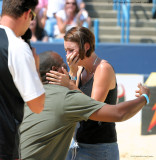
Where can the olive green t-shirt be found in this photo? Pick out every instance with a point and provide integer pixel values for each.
(47, 136)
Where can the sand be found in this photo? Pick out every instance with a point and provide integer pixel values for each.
(133, 145)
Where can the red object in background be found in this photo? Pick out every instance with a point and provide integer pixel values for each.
(121, 93)
(153, 121)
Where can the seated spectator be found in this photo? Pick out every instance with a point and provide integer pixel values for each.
(55, 6)
(38, 33)
(87, 22)
(42, 4)
(67, 18)
(41, 12)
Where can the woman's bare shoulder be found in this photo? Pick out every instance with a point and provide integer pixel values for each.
(105, 65)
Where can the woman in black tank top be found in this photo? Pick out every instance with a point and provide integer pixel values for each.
(95, 77)
(93, 132)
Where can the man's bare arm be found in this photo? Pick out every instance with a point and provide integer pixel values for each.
(37, 105)
(122, 111)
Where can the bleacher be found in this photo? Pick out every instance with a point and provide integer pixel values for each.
(142, 25)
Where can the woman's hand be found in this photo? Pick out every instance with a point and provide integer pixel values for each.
(72, 61)
(61, 79)
(58, 78)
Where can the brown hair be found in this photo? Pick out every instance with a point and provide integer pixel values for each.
(15, 8)
(81, 35)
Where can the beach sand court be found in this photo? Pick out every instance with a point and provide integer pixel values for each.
(133, 145)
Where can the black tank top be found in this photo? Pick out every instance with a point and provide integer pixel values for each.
(92, 132)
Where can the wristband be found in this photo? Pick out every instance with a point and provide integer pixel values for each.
(72, 78)
(146, 96)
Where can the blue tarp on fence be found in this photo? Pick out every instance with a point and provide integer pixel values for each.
(125, 58)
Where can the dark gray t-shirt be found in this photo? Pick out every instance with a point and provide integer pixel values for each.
(48, 135)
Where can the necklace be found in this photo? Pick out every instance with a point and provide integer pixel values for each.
(94, 64)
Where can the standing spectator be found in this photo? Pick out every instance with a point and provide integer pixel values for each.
(19, 80)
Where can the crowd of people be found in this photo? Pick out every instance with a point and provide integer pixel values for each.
(41, 103)
(55, 17)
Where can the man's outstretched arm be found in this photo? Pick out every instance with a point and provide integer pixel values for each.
(122, 111)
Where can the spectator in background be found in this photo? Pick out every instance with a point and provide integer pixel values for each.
(42, 4)
(87, 22)
(38, 33)
(56, 5)
(53, 7)
(41, 12)
(67, 18)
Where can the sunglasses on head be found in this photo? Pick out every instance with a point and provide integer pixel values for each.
(73, 3)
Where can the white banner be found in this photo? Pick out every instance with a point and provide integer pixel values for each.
(127, 85)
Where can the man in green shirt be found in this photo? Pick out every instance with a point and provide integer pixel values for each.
(47, 136)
